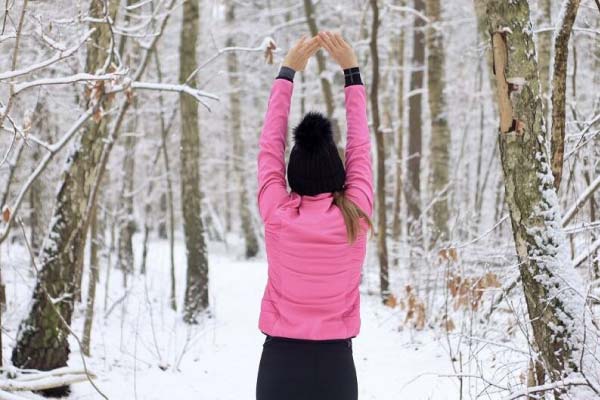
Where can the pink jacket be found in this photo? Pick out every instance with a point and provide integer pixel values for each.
(314, 273)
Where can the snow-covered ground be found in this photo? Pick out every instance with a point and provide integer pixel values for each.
(142, 350)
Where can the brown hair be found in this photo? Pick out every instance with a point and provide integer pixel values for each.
(352, 215)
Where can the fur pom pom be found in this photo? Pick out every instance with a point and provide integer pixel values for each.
(313, 131)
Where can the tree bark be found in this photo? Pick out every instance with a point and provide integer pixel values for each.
(126, 220)
(544, 45)
(553, 290)
(166, 199)
(440, 133)
(382, 250)
(235, 96)
(309, 9)
(86, 339)
(196, 291)
(415, 120)
(559, 87)
(397, 223)
(42, 339)
(37, 220)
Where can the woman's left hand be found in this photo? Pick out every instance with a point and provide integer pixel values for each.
(297, 57)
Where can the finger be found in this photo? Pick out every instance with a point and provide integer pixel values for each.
(313, 49)
(300, 41)
(328, 44)
(330, 40)
(339, 39)
(310, 42)
(312, 46)
(324, 42)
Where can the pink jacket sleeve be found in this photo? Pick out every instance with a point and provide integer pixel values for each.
(359, 172)
(272, 189)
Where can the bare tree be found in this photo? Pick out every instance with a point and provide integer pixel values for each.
(401, 62)
(382, 250)
(415, 119)
(553, 291)
(440, 132)
(42, 340)
(196, 291)
(309, 10)
(235, 99)
(559, 86)
(544, 45)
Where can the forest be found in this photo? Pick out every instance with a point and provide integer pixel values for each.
(132, 253)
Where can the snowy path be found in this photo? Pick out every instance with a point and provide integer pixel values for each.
(219, 360)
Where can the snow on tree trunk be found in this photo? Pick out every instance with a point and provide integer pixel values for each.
(238, 144)
(553, 290)
(196, 291)
(42, 336)
(440, 133)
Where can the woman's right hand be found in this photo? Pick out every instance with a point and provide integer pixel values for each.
(299, 54)
(338, 48)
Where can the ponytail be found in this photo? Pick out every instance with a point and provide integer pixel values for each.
(352, 215)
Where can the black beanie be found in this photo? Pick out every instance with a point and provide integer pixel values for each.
(315, 165)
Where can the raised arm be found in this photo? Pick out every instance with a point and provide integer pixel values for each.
(359, 170)
(271, 155)
(272, 189)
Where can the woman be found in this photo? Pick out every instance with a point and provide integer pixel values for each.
(315, 237)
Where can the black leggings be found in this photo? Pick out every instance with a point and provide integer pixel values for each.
(295, 369)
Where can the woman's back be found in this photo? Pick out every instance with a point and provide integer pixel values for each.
(314, 273)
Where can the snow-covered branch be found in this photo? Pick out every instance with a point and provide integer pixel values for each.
(594, 247)
(546, 388)
(199, 95)
(61, 55)
(266, 43)
(53, 149)
(587, 193)
(41, 383)
(410, 10)
(64, 80)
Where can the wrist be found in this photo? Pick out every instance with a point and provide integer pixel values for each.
(286, 72)
(352, 76)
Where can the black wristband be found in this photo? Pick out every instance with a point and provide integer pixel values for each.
(286, 73)
(352, 76)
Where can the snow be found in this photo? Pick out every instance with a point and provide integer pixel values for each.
(151, 354)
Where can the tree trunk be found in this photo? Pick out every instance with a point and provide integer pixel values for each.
(559, 87)
(238, 145)
(196, 291)
(86, 339)
(397, 223)
(309, 10)
(168, 202)
(42, 339)
(382, 250)
(440, 133)
(544, 44)
(126, 218)
(415, 120)
(37, 222)
(553, 290)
